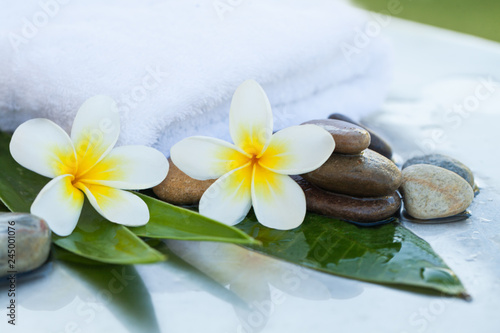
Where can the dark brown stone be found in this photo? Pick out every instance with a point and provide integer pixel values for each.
(377, 143)
(349, 138)
(366, 175)
(346, 207)
(180, 189)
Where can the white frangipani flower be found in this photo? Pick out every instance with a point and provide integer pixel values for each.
(86, 163)
(254, 171)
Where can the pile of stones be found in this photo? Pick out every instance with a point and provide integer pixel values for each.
(356, 183)
(359, 182)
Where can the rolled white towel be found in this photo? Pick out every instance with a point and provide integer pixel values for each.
(173, 66)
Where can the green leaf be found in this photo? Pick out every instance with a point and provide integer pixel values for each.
(388, 254)
(94, 238)
(169, 221)
(3, 208)
(98, 239)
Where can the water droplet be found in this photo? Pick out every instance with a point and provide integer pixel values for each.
(438, 275)
(472, 257)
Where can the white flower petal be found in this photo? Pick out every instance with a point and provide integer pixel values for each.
(95, 130)
(205, 158)
(250, 118)
(60, 204)
(278, 201)
(298, 149)
(43, 147)
(228, 200)
(117, 206)
(129, 168)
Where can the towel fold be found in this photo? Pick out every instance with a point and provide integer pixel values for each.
(172, 66)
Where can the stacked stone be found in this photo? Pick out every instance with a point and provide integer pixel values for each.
(356, 183)
(376, 143)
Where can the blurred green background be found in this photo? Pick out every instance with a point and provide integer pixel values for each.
(475, 17)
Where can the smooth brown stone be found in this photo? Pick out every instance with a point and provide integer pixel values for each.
(377, 143)
(180, 189)
(366, 175)
(349, 138)
(346, 207)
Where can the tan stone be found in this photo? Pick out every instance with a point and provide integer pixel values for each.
(433, 192)
(349, 138)
(377, 143)
(180, 189)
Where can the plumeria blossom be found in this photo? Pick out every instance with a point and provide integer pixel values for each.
(254, 170)
(87, 164)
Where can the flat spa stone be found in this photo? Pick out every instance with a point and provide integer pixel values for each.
(29, 237)
(349, 208)
(180, 189)
(432, 192)
(349, 138)
(445, 162)
(366, 175)
(377, 143)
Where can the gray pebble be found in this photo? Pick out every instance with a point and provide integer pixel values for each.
(445, 162)
(24, 242)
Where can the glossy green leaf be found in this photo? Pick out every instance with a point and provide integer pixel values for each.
(94, 237)
(169, 221)
(98, 239)
(388, 254)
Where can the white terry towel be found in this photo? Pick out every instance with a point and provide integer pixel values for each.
(173, 66)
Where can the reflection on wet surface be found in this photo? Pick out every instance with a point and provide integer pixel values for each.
(223, 288)
(455, 218)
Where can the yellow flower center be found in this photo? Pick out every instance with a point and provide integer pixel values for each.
(83, 167)
(254, 159)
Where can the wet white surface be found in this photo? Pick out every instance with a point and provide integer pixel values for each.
(240, 291)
